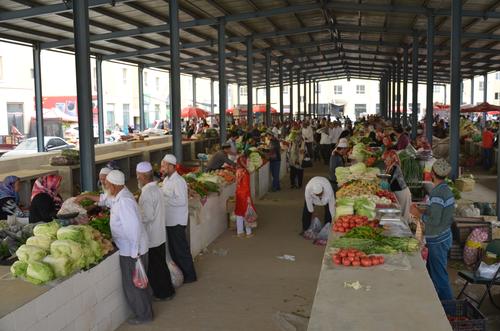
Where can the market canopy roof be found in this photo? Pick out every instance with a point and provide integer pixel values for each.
(323, 39)
(481, 108)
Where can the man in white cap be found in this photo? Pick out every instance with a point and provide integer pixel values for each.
(131, 239)
(337, 159)
(152, 208)
(175, 191)
(318, 192)
(103, 198)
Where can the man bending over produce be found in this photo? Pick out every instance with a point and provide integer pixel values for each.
(318, 192)
(220, 158)
(437, 220)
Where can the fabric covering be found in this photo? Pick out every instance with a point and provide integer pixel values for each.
(50, 185)
(7, 187)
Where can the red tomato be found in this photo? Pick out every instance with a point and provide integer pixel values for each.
(341, 229)
(337, 260)
(346, 262)
(366, 262)
(359, 254)
(343, 253)
(381, 260)
(351, 258)
(356, 263)
(374, 260)
(351, 254)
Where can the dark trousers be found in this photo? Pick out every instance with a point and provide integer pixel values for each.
(310, 150)
(139, 300)
(306, 217)
(487, 158)
(180, 251)
(325, 152)
(275, 173)
(158, 273)
(296, 177)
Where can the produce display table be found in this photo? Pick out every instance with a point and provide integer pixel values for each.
(89, 300)
(397, 300)
(264, 180)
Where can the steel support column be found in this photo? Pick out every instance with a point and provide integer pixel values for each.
(193, 82)
(456, 31)
(414, 87)
(212, 97)
(268, 89)
(84, 95)
(429, 117)
(249, 82)
(298, 95)
(394, 96)
(100, 99)
(305, 97)
(472, 91)
(389, 95)
(309, 98)
(280, 78)
(398, 94)
(175, 79)
(405, 87)
(238, 94)
(222, 79)
(485, 99)
(315, 99)
(142, 117)
(290, 92)
(37, 73)
(498, 178)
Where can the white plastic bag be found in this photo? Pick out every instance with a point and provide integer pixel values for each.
(139, 276)
(322, 236)
(487, 270)
(314, 229)
(175, 272)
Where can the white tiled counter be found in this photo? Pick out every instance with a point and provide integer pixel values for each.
(90, 300)
(264, 180)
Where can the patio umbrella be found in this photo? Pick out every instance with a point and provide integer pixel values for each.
(262, 109)
(193, 112)
(481, 108)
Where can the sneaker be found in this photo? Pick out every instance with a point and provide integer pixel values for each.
(135, 321)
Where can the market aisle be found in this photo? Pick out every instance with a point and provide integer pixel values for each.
(245, 288)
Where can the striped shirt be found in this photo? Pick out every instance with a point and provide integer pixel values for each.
(439, 215)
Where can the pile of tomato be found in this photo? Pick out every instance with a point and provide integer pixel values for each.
(355, 258)
(348, 222)
(386, 194)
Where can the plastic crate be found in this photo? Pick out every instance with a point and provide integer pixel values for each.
(474, 319)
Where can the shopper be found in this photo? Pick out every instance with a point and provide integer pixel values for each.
(45, 199)
(308, 135)
(175, 191)
(233, 152)
(403, 139)
(437, 220)
(296, 157)
(397, 183)
(337, 159)
(152, 208)
(131, 239)
(335, 131)
(318, 192)
(487, 145)
(220, 158)
(9, 197)
(324, 143)
(274, 160)
(245, 209)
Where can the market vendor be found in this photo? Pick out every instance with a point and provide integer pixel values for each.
(131, 239)
(220, 158)
(45, 199)
(103, 199)
(175, 191)
(9, 197)
(397, 183)
(437, 221)
(152, 208)
(403, 139)
(338, 160)
(274, 159)
(318, 192)
(233, 152)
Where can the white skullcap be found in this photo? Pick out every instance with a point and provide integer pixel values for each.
(343, 143)
(104, 171)
(144, 167)
(170, 158)
(317, 188)
(116, 177)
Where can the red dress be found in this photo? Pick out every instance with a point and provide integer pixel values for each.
(243, 194)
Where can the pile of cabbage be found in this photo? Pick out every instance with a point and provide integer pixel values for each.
(355, 172)
(362, 206)
(254, 161)
(359, 152)
(55, 252)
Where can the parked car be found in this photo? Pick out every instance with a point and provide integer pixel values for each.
(72, 134)
(29, 146)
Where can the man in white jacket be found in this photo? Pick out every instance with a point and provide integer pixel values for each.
(319, 192)
(152, 208)
(175, 191)
(308, 135)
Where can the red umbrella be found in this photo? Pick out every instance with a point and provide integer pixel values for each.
(496, 112)
(193, 112)
(262, 109)
(481, 108)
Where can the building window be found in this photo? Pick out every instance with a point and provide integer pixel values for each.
(243, 91)
(126, 115)
(481, 86)
(497, 75)
(145, 78)
(337, 89)
(157, 80)
(360, 89)
(437, 89)
(157, 112)
(377, 108)
(124, 76)
(359, 108)
(497, 95)
(110, 115)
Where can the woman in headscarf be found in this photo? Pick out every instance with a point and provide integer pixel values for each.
(9, 197)
(245, 209)
(296, 156)
(397, 183)
(45, 199)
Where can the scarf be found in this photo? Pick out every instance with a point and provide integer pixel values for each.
(391, 159)
(7, 187)
(49, 185)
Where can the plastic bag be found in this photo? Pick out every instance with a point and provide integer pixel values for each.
(139, 277)
(322, 236)
(314, 229)
(474, 242)
(487, 270)
(176, 274)
(250, 214)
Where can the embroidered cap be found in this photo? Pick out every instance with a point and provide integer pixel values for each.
(441, 168)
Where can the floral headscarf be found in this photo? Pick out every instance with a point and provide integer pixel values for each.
(7, 187)
(48, 184)
(391, 159)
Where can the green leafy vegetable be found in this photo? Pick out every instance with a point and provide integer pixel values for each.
(28, 253)
(41, 241)
(39, 273)
(68, 248)
(18, 269)
(61, 265)
(71, 233)
(47, 229)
